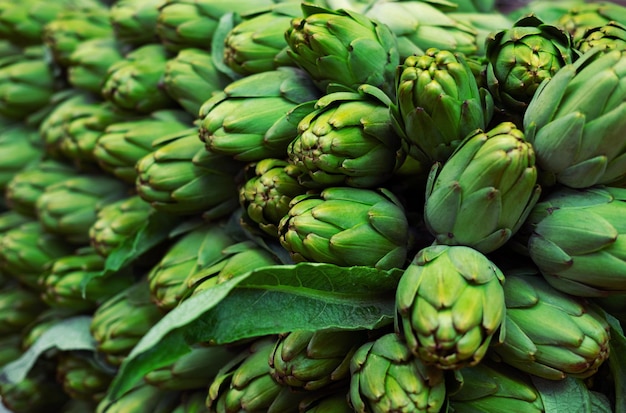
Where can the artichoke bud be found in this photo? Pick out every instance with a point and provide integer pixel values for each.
(24, 145)
(82, 377)
(550, 334)
(239, 121)
(575, 239)
(494, 169)
(386, 376)
(579, 18)
(19, 306)
(266, 195)
(577, 132)
(610, 36)
(90, 61)
(143, 398)
(134, 21)
(450, 304)
(343, 47)
(312, 360)
(438, 103)
(135, 83)
(349, 140)
(496, 388)
(371, 230)
(523, 56)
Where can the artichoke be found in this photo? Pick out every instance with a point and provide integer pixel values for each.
(10, 348)
(75, 281)
(121, 321)
(23, 146)
(438, 103)
(134, 21)
(495, 388)
(181, 177)
(575, 239)
(135, 83)
(343, 47)
(69, 208)
(349, 140)
(548, 333)
(610, 36)
(371, 228)
(580, 17)
(577, 130)
(82, 377)
(122, 144)
(143, 398)
(265, 197)
(311, 360)
(19, 306)
(420, 25)
(191, 78)
(46, 319)
(335, 402)
(522, 57)
(450, 305)
(89, 63)
(481, 196)
(239, 121)
(387, 377)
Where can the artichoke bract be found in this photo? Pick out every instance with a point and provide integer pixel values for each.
(135, 83)
(575, 239)
(69, 208)
(450, 305)
(238, 121)
(548, 333)
(522, 57)
(134, 21)
(343, 47)
(191, 78)
(438, 103)
(348, 140)
(577, 131)
(495, 388)
(122, 144)
(387, 377)
(347, 227)
(312, 360)
(419, 25)
(89, 63)
(265, 197)
(181, 177)
(483, 193)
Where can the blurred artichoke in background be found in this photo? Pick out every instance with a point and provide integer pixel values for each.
(134, 21)
(89, 63)
(610, 36)
(23, 144)
(82, 377)
(582, 16)
(143, 398)
(19, 306)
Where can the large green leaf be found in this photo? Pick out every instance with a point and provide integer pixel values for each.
(569, 395)
(617, 362)
(270, 300)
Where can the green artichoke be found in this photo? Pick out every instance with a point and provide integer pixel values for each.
(343, 47)
(191, 78)
(495, 388)
(575, 239)
(27, 83)
(89, 63)
(121, 321)
(581, 16)
(69, 208)
(73, 26)
(122, 144)
(265, 197)
(522, 57)
(387, 377)
(481, 196)
(181, 177)
(420, 25)
(193, 370)
(349, 140)
(27, 185)
(27, 249)
(371, 228)
(134, 21)
(143, 398)
(484, 23)
(257, 44)
(19, 306)
(82, 377)
(610, 36)
(192, 402)
(239, 121)
(438, 103)
(450, 305)
(10, 348)
(135, 83)
(311, 360)
(245, 384)
(191, 253)
(74, 281)
(548, 333)
(22, 147)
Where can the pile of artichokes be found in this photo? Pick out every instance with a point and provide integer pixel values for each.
(291, 206)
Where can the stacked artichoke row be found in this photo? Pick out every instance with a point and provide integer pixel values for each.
(305, 207)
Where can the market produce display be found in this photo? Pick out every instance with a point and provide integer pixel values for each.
(287, 206)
